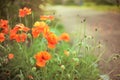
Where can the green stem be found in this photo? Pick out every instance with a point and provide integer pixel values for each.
(61, 77)
(3, 48)
(20, 20)
(32, 16)
(23, 50)
(26, 22)
(7, 14)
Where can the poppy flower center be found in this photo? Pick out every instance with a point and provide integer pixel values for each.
(43, 57)
(1, 29)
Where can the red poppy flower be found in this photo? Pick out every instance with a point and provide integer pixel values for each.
(65, 37)
(10, 56)
(2, 37)
(41, 58)
(38, 28)
(21, 37)
(52, 40)
(4, 26)
(18, 33)
(22, 13)
(25, 11)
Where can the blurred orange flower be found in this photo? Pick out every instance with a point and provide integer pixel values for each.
(4, 26)
(65, 37)
(25, 11)
(52, 39)
(46, 31)
(2, 37)
(40, 24)
(18, 33)
(10, 56)
(38, 28)
(35, 32)
(45, 17)
(20, 37)
(41, 58)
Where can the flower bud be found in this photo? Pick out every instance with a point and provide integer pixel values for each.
(63, 67)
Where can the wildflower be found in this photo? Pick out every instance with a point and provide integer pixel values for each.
(4, 26)
(21, 13)
(65, 37)
(38, 28)
(44, 17)
(18, 33)
(52, 40)
(10, 56)
(21, 37)
(66, 53)
(40, 24)
(41, 58)
(35, 32)
(30, 77)
(2, 37)
(3, 23)
(21, 27)
(46, 31)
(25, 11)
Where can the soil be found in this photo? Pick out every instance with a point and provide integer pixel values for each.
(108, 26)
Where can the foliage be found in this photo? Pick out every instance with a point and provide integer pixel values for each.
(4, 4)
(108, 2)
(8, 7)
(43, 52)
(109, 8)
(98, 2)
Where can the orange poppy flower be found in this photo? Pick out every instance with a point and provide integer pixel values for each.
(21, 13)
(20, 37)
(51, 46)
(41, 58)
(65, 37)
(44, 17)
(21, 27)
(38, 28)
(46, 31)
(4, 26)
(2, 37)
(18, 33)
(25, 11)
(13, 34)
(52, 40)
(35, 32)
(10, 56)
(3, 23)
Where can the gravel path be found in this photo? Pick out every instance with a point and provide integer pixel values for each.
(108, 26)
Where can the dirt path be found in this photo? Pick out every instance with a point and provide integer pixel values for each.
(108, 26)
